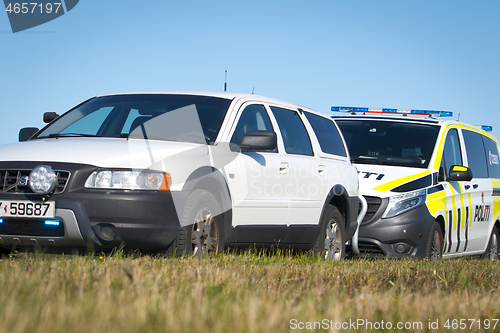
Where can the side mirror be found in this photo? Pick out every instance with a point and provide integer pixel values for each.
(49, 116)
(26, 133)
(258, 140)
(459, 173)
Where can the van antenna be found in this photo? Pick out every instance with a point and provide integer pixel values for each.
(253, 90)
(225, 82)
(458, 117)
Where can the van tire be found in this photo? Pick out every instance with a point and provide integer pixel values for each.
(331, 239)
(203, 227)
(435, 242)
(491, 252)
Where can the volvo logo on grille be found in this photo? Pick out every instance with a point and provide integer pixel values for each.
(23, 181)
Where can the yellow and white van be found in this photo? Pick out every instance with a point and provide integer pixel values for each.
(432, 186)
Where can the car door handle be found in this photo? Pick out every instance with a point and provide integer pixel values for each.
(284, 167)
(321, 170)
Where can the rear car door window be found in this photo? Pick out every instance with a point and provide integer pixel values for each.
(295, 137)
(492, 157)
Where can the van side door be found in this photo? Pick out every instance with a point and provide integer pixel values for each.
(455, 226)
(481, 192)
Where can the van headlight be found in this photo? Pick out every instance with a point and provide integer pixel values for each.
(129, 180)
(399, 204)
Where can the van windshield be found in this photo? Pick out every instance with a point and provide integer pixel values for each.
(188, 118)
(389, 142)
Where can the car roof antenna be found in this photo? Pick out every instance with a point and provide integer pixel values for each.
(225, 82)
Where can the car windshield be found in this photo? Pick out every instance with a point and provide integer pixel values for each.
(389, 142)
(188, 118)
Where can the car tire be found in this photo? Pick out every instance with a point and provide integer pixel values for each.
(491, 252)
(202, 230)
(435, 242)
(331, 240)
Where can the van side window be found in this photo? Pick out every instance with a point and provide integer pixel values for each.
(475, 154)
(253, 118)
(452, 153)
(295, 137)
(327, 134)
(492, 157)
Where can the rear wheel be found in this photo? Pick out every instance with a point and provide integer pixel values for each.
(491, 252)
(331, 240)
(203, 227)
(435, 242)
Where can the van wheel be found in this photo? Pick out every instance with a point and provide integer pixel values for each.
(435, 242)
(331, 239)
(491, 252)
(203, 228)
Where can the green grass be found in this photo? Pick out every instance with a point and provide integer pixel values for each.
(239, 292)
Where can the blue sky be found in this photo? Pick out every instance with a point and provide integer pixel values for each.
(440, 55)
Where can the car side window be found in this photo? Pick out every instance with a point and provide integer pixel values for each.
(295, 137)
(475, 154)
(327, 134)
(452, 153)
(253, 118)
(492, 157)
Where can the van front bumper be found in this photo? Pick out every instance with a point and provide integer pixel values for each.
(402, 235)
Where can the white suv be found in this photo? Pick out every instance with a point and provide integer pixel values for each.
(187, 171)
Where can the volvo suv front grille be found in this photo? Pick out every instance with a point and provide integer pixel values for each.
(9, 177)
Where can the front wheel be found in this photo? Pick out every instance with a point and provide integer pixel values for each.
(491, 252)
(203, 226)
(435, 242)
(331, 240)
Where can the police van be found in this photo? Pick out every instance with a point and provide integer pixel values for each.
(432, 186)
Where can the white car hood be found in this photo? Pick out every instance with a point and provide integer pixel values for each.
(101, 152)
(378, 180)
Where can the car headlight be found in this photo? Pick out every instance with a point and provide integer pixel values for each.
(42, 179)
(399, 204)
(129, 180)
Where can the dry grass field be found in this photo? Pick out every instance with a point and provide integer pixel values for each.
(246, 292)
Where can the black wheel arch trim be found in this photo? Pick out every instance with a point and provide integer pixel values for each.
(347, 205)
(213, 181)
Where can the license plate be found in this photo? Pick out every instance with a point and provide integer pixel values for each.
(25, 208)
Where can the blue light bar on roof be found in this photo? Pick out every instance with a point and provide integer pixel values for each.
(487, 128)
(393, 111)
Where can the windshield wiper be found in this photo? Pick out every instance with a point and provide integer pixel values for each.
(60, 135)
(81, 135)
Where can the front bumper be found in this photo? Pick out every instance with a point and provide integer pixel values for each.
(402, 235)
(93, 217)
(101, 219)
